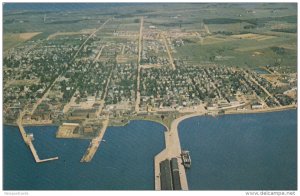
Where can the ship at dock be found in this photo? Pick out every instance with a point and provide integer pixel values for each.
(186, 159)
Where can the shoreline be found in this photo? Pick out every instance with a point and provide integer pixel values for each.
(183, 117)
(30, 125)
(150, 120)
(173, 147)
(277, 109)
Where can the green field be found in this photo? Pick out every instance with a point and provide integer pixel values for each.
(274, 25)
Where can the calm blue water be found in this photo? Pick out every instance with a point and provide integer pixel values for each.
(231, 152)
(242, 152)
(124, 161)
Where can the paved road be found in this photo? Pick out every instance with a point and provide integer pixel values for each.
(138, 95)
(99, 54)
(91, 35)
(264, 89)
(169, 52)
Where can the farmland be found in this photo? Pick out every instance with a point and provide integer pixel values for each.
(136, 58)
(13, 39)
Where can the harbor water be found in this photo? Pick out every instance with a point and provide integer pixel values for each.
(123, 162)
(242, 151)
(228, 152)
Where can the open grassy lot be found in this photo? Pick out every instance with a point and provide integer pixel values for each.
(245, 50)
(81, 32)
(12, 39)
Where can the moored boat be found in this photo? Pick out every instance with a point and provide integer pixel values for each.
(186, 159)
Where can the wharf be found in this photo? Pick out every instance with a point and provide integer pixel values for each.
(95, 143)
(28, 141)
(172, 150)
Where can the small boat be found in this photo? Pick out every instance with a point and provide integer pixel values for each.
(186, 159)
(103, 140)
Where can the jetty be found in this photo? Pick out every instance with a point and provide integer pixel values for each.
(28, 141)
(171, 153)
(95, 143)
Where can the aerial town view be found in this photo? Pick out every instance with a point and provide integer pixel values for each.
(149, 96)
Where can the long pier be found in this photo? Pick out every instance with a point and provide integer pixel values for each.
(95, 143)
(28, 141)
(172, 150)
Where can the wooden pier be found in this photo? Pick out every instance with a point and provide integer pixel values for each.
(28, 141)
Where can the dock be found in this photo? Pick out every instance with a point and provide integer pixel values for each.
(36, 157)
(177, 179)
(172, 152)
(95, 143)
(28, 141)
